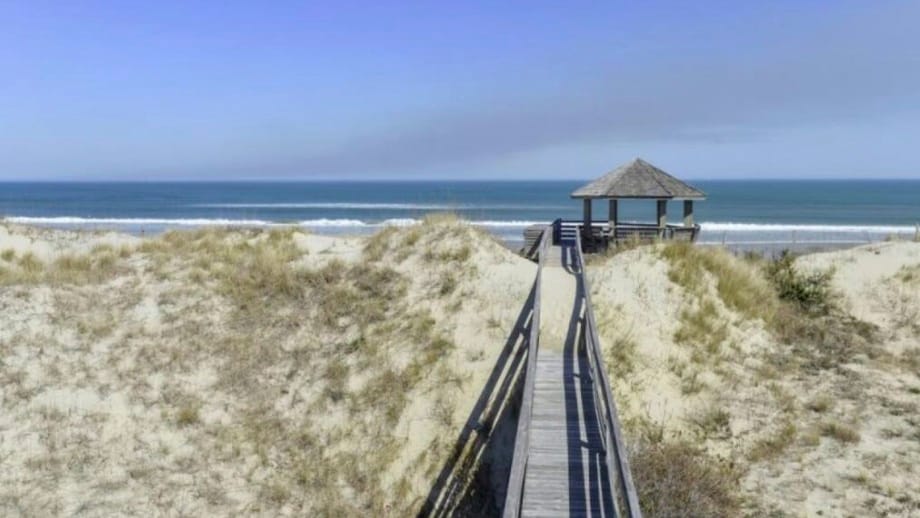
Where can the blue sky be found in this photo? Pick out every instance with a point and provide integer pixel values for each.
(291, 90)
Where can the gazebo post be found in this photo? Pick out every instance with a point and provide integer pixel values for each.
(662, 206)
(688, 213)
(586, 228)
(612, 216)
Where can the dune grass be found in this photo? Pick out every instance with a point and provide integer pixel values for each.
(774, 443)
(678, 478)
(737, 284)
(799, 308)
(101, 264)
(839, 432)
(909, 274)
(311, 365)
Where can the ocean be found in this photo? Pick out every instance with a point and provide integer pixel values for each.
(758, 214)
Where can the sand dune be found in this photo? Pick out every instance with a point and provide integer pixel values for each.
(223, 372)
(810, 429)
(242, 372)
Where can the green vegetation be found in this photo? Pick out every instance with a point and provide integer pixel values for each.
(620, 357)
(774, 443)
(909, 274)
(799, 308)
(677, 478)
(316, 366)
(810, 319)
(738, 285)
(809, 292)
(713, 421)
(188, 415)
(100, 265)
(820, 404)
(839, 432)
(702, 326)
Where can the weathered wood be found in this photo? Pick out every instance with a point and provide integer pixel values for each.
(569, 457)
(586, 224)
(617, 458)
(688, 213)
(661, 207)
(602, 233)
(566, 449)
(532, 235)
(522, 437)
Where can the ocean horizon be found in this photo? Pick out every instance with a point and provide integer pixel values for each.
(741, 213)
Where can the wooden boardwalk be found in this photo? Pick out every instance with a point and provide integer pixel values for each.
(569, 457)
(566, 467)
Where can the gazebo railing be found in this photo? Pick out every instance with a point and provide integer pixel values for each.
(600, 229)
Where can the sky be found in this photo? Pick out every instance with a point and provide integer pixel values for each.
(447, 90)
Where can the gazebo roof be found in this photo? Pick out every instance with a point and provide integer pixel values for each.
(638, 179)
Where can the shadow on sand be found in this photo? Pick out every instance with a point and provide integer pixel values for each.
(473, 480)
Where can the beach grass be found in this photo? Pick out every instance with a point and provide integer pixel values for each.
(673, 476)
(297, 371)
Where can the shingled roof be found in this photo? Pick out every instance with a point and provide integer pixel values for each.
(638, 179)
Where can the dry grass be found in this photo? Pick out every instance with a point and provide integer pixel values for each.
(704, 327)
(909, 274)
(839, 432)
(783, 389)
(100, 265)
(799, 308)
(737, 284)
(620, 356)
(303, 371)
(774, 443)
(820, 404)
(712, 421)
(713, 279)
(677, 478)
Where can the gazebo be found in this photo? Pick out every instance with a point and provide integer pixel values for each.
(637, 179)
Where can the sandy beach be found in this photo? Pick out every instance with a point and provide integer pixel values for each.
(282, 373)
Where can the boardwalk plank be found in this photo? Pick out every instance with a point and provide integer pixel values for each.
(566, 461)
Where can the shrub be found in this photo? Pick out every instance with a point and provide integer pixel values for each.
(187, 415)
(676, 478)
(809, 292)
(822, 334)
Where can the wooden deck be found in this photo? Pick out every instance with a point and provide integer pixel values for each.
(569, 458)
(566, 467)
(602, 236)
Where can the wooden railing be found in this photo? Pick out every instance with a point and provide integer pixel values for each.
(623, 491)
(515, 494)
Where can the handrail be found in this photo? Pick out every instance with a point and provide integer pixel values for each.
(622, 224)
(515, 492)
(605, 406)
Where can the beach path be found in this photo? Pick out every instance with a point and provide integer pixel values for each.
(566, 468)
